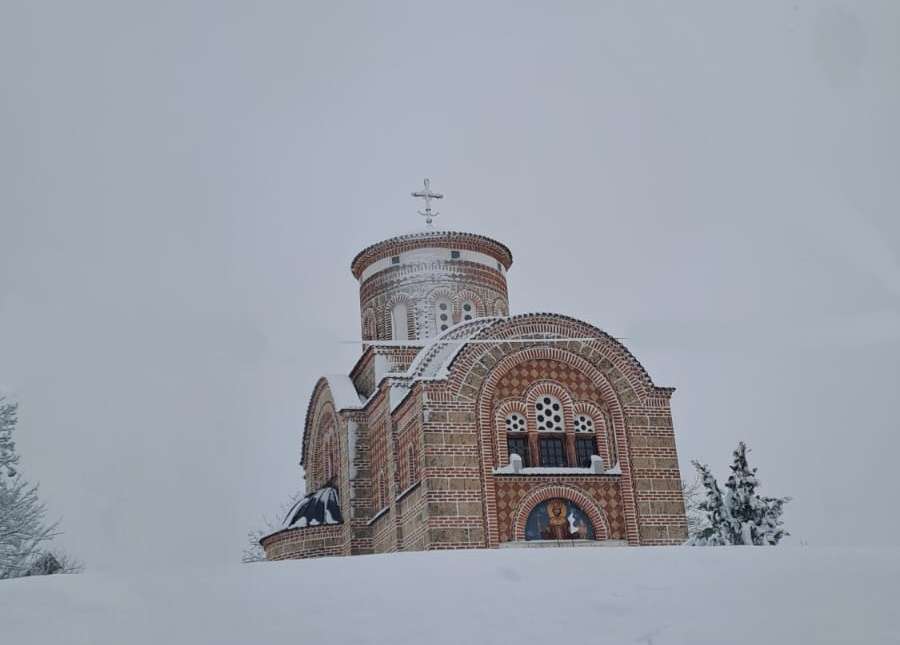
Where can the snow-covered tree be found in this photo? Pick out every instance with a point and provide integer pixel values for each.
(24, 532)
(754, 519)
(712, 527)
(693, 494)
(8, 456)
(740, 515)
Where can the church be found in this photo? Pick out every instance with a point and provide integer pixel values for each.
(462, 425)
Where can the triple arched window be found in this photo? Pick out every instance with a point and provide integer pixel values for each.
(542, 436)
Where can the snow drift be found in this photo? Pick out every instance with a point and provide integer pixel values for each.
(664, 595)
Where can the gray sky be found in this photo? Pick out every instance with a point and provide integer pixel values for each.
(183, 185)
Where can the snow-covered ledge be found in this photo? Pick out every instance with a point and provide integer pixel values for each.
(514, 467)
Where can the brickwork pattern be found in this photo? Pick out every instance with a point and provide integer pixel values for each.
(309, 542)
(597, 496)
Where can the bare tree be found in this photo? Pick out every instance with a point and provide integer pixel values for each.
(253, 551)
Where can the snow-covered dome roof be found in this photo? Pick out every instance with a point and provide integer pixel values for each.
(321, 507)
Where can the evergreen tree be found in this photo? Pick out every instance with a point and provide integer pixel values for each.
(712, 530)
(23, 530)
(8, 456)
(754, 519)
(741, 515)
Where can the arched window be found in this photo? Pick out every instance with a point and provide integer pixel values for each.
(442, 315)
(549, 414)
(584, 423)
(585, 442)
(468, 310)
(516, 439)
(499, 308)
(369, 331)
(515, 422)
(412, 464)
(399, 322)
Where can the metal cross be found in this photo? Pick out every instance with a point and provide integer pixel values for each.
(427, 195)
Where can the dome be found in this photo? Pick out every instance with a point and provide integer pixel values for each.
(321, 507)
(415, 286)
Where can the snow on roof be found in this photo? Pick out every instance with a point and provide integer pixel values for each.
(320, 507)
(344, 392)
(432, 361)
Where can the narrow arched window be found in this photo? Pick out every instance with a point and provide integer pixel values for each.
(369, 331)
(468, 310)
(412, 464)
(442, 314)
(586, 441)
(516, 439)
(399, 322)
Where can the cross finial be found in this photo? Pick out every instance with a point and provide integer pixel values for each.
(427, 195)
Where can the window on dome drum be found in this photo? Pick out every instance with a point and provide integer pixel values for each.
(395, 259)
(399, 323)
(515, 422)
(549, 414)
(585, 448)
(583, 423)
(552, 452)
(442, 315)
(518, 446)
(454, 255)
(468, 310)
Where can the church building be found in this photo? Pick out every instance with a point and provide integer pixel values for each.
(464, 426)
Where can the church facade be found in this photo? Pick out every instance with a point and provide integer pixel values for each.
(462, 426)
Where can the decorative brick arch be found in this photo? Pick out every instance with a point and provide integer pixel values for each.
(631, 381)
(465, 295)
(552, 491)
(486, 386)
(409, 302)
(430, 320)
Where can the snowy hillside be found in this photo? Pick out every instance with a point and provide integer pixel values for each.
(733, 595)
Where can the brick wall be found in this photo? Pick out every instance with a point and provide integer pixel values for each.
(309, 542)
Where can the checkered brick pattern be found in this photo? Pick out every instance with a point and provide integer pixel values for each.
(511, 491)
(524, 375)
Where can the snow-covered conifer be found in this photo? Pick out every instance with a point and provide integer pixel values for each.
(754, 519)
(8, 456)
(740, 515)
(23, 529)
(712, 530)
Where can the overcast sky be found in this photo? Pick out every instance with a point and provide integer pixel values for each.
(184, 184)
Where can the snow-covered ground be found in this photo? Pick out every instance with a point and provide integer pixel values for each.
(721, 595)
